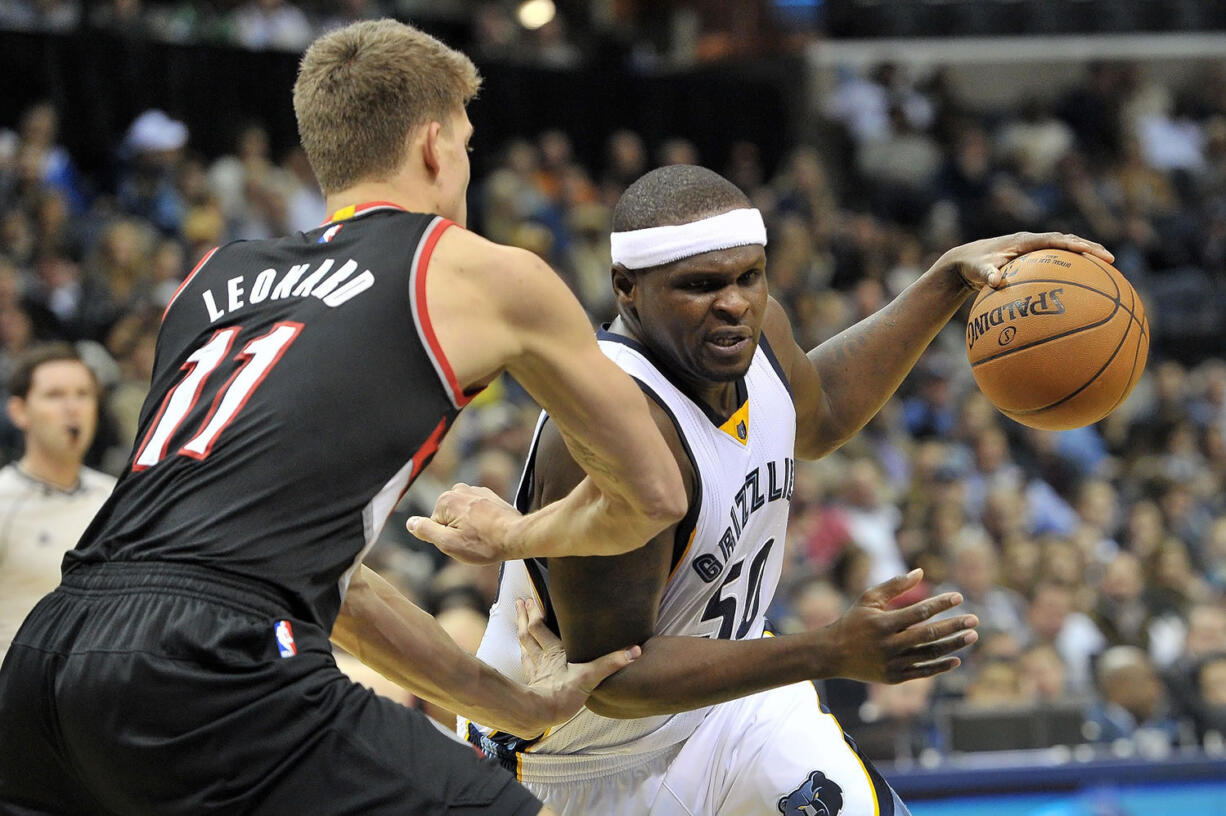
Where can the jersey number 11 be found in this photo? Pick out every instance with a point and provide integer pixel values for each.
(254, 362)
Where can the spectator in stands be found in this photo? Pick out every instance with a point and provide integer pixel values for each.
(997, 683)
(932, 410)
(1205, 636)
(122, 261)
(1145, 529)
(1053, 620)
(272, 24)
(304, 202)
(1099, 512)
(1094, 110)
(1044, 673)
(1210, 714)
(152, 152)
(974, 574)
(813, 603)
(74, 305)
(871, 519)
(39, 135)
(236, 178)
(1213, 555)
(625, 161)
(1132, 704)
(1124, 613)
(897, 723)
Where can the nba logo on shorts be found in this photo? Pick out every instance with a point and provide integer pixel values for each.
(285, 639)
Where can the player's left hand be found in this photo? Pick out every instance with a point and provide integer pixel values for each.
(978, 263)
(560, 688)
(876, 644)
(469, 524)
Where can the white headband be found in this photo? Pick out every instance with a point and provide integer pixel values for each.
(643, 248)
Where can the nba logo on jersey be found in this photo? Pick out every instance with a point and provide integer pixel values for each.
(285, 639)
(329, 233)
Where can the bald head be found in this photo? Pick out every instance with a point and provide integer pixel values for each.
(677, 194)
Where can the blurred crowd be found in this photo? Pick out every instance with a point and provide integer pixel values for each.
(1095, 558)
(552, 33)
(547, 34)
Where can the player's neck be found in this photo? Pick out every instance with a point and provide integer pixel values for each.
(368, 192)
(50, 470)
(718, 396)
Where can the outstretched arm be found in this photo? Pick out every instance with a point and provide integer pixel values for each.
(497, 309)
(387, 632)
(599, 601)
(869, 642)
(840, 385)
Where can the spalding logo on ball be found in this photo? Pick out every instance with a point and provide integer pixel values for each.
(1061, 344)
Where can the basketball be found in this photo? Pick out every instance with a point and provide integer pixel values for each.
(1061, 344)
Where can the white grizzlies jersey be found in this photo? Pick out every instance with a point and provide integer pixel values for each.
(726, 564)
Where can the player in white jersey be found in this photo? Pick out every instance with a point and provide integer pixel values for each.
(715, 718)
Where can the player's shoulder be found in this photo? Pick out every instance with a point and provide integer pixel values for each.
(11, 480)
(516, 282)
(475, 254)
(777, 326)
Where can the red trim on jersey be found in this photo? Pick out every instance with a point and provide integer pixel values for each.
(423, 313)
(188, 279)
(157, 420)
(427, 449)
(246, 357)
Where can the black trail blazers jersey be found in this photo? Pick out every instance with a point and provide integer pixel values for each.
(298, 389)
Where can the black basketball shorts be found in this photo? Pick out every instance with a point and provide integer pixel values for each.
(157, 689)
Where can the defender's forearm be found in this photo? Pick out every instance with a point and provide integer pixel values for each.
(389, 633)
(588, 521)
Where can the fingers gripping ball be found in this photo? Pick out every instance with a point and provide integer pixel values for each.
(1061, 344)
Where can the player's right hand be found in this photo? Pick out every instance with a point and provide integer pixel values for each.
(979, 263)
(558, 688)
(876, 644)
(469, 524)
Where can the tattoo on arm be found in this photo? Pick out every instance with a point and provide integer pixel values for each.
(845, 347)
(592, 463)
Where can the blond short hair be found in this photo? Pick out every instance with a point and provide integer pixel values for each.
(363, 88)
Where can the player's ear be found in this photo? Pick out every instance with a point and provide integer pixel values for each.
(624, 282)
(625, 288)
(17, 412)
(430, 148)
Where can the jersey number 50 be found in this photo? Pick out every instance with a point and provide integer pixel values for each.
(724, 609)
(254, 362)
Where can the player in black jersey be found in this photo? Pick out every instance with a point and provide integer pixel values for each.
(183, 666)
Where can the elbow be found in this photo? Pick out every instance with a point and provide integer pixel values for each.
(665, 504)
(666, 512)
(611, 706)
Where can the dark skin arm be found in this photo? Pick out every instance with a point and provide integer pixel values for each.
(841, 384)
(615, 600)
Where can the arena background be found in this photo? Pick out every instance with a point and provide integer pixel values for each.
(873, 134)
